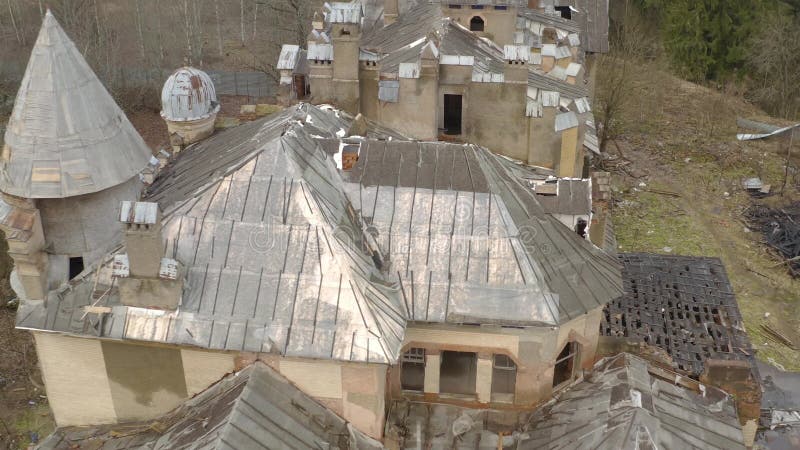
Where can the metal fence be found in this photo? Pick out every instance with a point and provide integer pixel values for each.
(251, 84)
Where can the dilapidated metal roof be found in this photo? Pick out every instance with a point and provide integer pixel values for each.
(66, 136)
(626, 404)
(283, 256)
(187, 95)
(469, 242)
(255, 408)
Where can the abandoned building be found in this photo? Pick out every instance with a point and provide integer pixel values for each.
(510, 78)
(686, 307)
(323, 272)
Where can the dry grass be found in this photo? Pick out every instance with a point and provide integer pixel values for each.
(681, 137)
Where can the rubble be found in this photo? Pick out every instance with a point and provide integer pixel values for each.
(781, 229)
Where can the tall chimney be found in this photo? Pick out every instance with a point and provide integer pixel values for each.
(146, 278)
(142, 227)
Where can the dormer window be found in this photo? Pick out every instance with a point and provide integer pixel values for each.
(476, 24)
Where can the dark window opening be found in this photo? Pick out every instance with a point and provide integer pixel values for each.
(75, 266)
(580, 228)
(565, 11)
(453, 6)
(412, 370)
(501, 7)
(565, 364)
(476, 6)
(345, 32)
(458, 372)
(504, 376)
(452, 114)
(476, 24)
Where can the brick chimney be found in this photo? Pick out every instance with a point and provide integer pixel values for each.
(146, 278)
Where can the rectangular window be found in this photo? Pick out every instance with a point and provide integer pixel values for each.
(75, 266)
(504, 378)
(477, 7)
(452, 114)
(412, 370)
(501, 7)
(454, 6)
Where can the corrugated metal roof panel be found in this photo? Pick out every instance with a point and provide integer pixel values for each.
(409, 70)
(457, 60)
(287, 60)
(565, 121)
(388, 90)
(516, 52)
(558, 73)
(573, 69)
(320, 52)
(550, 99)
(342, 12)
(562, 51)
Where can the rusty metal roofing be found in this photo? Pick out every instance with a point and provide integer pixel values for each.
(344, 12)
(187, 95)
(627, 404)
(66, 136)
(255, 408)
(555, 21)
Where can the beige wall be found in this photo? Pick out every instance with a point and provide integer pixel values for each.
(92, 381)
(74, 373)
(414, 114)
(320, 79)
(534, 350)
(499, 25)
(544, 147)
(495, 118)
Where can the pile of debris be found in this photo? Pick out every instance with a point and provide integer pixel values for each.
(781, 229)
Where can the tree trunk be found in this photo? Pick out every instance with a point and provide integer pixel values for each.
(241, 19)
(255, 20)
(219, 28)
(187, 26)
(14, 22)
(139, 29)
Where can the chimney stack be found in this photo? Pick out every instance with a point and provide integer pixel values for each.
(146, 278)
(516, 57)
(142, 227)
(390, 12)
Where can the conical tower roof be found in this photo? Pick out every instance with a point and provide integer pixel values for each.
(66, 135)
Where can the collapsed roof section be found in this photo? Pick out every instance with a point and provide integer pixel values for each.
(283, 256)
(66, 136)
(253, 408)
(682, 304)
(626, 404)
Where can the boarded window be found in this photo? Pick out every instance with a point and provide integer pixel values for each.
(476, 24)
(412, 370)
(388, 90)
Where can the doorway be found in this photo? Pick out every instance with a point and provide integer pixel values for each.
(458, 372)
(452, 114)
(75, 266)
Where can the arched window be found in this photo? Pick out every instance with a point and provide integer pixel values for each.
(476, 23)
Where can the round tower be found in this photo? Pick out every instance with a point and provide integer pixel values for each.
(70, 156)
(189, 106)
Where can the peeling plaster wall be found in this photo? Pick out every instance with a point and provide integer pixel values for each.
(496, 118)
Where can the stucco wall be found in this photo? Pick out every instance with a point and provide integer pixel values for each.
(92, 381)
(74, 373)
(320, 81)
(86, 225)
(495, 118)
(499, 25)
(415, 112)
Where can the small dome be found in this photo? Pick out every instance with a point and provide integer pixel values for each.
(188, 95)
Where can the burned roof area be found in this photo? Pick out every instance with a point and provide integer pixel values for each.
(781, 229)
(682, 304)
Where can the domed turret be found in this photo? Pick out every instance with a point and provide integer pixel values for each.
(189, 106)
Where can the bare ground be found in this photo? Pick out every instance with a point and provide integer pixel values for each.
(681, 138)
